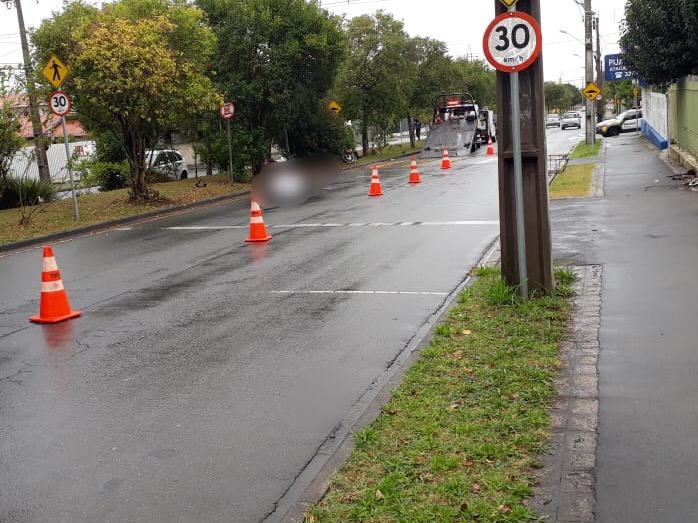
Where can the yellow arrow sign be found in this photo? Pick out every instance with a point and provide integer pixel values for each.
(508, 3)
(591, 91)
(55, 71)
(334, 107)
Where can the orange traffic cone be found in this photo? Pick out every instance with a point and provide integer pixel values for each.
(53, 303)
(414, 173)
(375, 189)
(490, 147)
(445, 161)
(258, 232)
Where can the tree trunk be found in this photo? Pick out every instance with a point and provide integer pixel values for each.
(364, 138)
(410, 126)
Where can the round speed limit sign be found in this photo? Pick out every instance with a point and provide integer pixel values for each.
(512, 41)
(60, 103)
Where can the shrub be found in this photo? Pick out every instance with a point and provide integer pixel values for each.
(15, 192)
(108, 175)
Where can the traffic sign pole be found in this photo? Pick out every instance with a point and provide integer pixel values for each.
(512, 45)
(518, 182)
(76, 210)
(60, 104)
(230, 151)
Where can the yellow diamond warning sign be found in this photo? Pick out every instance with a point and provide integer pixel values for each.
(591, 91)
(334, 107)
(55, 71)
(508, 3)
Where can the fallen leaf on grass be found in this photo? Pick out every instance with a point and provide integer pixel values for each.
(476, 487)
(309, 518)
(504, 509)
(379, 494)
(466, 332)
(457, 355)
(469, 463)
(455, 405)
(467, 370)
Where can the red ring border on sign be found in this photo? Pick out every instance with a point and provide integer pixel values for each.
(67, 96)
(536, 52)
(223, 114)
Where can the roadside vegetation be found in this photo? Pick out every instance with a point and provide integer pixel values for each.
(460, 435)
(390, 151)
(573, 182)
(99, 207)
(585, 151)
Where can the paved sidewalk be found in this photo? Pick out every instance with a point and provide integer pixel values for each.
(644, 233)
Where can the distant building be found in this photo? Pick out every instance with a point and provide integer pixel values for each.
(51, 123)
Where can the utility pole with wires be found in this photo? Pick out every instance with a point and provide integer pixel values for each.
(600, 106)
(589, 70)
(34, 115)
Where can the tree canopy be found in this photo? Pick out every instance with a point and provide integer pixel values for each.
(277, 59)
(561, 97)
(659, 39)
(137, 69)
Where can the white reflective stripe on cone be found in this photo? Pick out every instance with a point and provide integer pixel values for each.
(52, 286)
(256, 207)
(50, 264)
(256, 219)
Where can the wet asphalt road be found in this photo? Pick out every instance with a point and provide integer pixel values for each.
(206, 372)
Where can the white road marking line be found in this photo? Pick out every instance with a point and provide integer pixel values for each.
(205, 227)
(310, 225)
(406, 293)
(122, 229)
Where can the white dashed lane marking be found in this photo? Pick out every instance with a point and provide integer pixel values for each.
(471, 223)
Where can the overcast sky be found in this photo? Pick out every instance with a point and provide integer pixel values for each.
(452, 21)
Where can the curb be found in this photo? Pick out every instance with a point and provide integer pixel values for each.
(98, 227)
(312, 482)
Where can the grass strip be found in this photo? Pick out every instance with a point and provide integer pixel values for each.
(573, 182)
(459, 437)
(391, 151)
(101, 207)
(585, 151)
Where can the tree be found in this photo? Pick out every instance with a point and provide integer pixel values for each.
(430, 72)
(659, 39)
(277, 59)
(622, 94)
(137, 70)
(371, 82)
(479, 79)
(561, 96)
(10, 139)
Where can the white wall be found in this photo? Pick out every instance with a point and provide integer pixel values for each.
(24, 163)
(655, 110)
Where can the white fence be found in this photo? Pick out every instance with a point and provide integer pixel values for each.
(24, 164)
(655, 110)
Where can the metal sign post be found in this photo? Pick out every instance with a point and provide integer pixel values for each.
(518, 184)
(512, 43)
(227, 112)
(61, 104)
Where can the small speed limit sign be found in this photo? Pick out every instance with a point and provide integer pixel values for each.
(60, 103)
(512, 42)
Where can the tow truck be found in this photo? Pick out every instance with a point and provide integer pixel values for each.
(458, 125)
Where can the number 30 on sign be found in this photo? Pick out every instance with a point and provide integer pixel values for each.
(60, 103)
(512, 42)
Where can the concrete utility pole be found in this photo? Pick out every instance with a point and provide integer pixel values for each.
(589, 67)
(601, 106)
(538, 255)
(37, 129)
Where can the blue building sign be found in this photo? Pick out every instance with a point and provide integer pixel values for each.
(615, 69)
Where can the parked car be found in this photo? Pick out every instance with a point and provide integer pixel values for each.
(167, 162)
(623, 123)
(552, 120)
(571, 119)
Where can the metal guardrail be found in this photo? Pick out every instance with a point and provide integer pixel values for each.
(557, 163)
